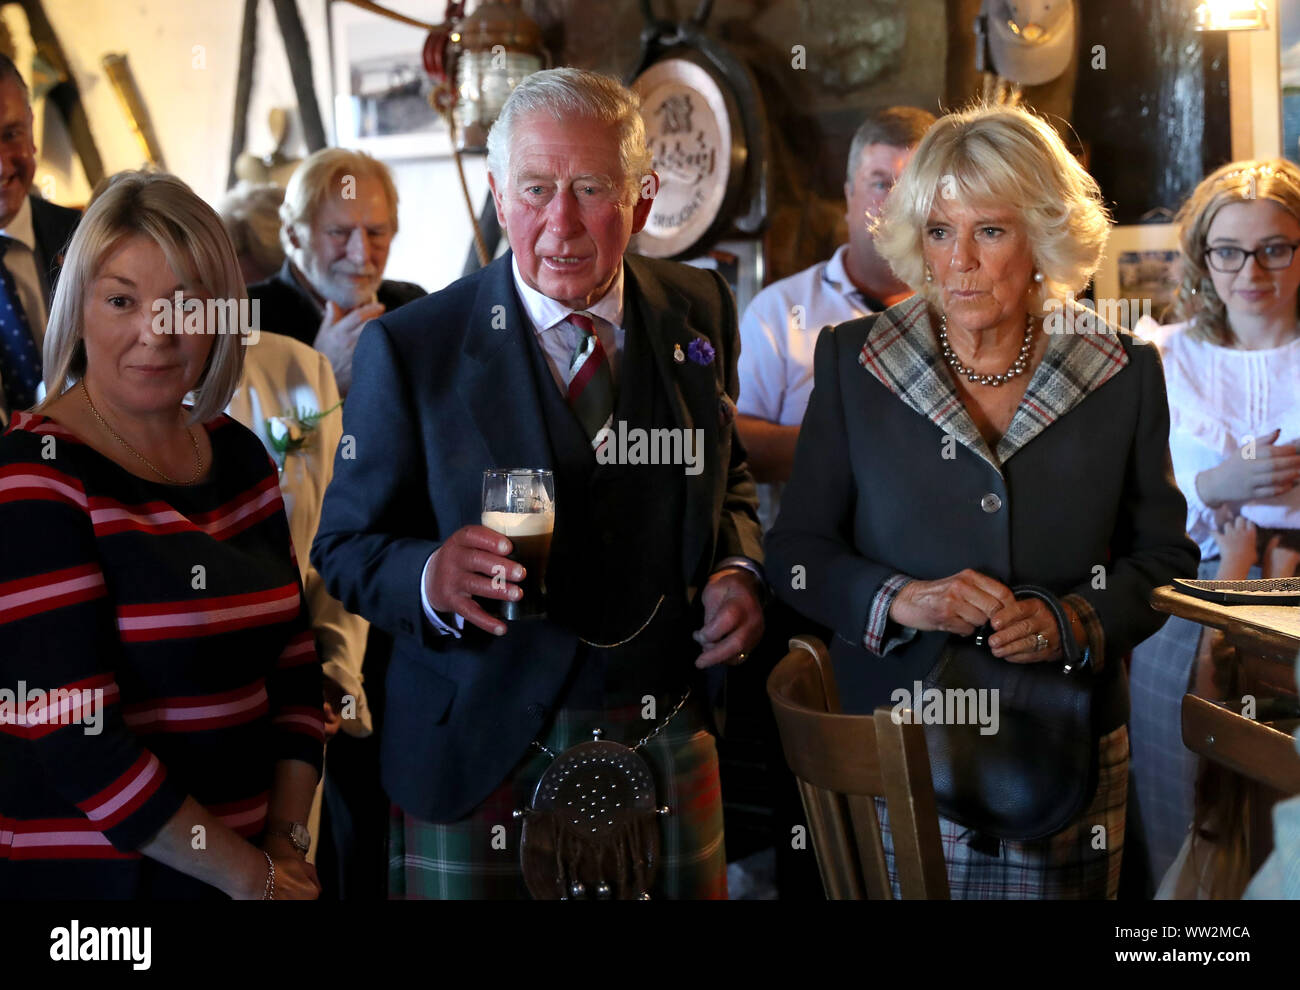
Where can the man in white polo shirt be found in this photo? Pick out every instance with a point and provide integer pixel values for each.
(779, 329)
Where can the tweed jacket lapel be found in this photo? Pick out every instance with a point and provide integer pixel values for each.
(1073, 366)
(901, 351)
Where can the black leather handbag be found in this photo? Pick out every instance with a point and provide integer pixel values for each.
(1038, 771)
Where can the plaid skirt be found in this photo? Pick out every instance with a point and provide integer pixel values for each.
(1065, 866)
(468, 859)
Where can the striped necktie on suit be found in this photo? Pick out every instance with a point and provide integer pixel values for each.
(591, 384)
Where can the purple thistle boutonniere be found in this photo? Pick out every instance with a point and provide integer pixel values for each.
(700, 351)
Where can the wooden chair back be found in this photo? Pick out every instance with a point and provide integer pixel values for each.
(843, 763)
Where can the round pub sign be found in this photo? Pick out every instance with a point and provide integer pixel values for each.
(692, 132)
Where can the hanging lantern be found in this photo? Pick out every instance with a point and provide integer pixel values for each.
(494, 48)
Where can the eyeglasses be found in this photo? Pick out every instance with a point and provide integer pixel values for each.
(1272, 256)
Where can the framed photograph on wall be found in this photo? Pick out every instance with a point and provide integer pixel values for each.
(1139, 273)
(381, 91)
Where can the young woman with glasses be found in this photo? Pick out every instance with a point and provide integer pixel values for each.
(1232, 367)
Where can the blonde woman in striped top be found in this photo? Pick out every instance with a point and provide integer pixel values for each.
(160, 696)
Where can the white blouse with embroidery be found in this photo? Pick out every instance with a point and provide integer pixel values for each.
(1220, 398)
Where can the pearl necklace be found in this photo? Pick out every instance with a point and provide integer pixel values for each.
(1018, 367)
(189, 432)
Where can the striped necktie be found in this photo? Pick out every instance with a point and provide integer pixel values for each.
(20, 361)
(591, 385)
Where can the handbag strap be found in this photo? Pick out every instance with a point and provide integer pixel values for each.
(1076, 656)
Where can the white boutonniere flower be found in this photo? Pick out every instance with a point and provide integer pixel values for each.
(292, 430)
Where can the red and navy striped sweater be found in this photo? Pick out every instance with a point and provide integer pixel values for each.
(183, 606)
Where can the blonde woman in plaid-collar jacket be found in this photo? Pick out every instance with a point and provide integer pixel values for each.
(985, 433)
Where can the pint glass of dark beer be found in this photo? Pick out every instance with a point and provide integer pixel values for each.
(520, 505)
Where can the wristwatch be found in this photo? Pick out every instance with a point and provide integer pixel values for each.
(295, 832)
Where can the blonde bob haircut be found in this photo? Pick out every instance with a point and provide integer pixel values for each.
(1195, 301)
(990, 154)
(190, 234)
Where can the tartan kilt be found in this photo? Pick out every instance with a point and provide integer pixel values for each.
(460, 860)
(1065, 866)
(1164, 770)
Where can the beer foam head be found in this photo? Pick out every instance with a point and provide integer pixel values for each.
(520, 523)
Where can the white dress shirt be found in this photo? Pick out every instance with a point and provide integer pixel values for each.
(559, 338)
(20, 259)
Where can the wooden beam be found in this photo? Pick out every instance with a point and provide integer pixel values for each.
(295, 44)
(243, 88)
(65, 96)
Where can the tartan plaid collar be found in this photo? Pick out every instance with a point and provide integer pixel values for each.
(902, 352)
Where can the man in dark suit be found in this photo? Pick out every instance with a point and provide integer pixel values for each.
(339, 219)
(33, 234)
(551, 357)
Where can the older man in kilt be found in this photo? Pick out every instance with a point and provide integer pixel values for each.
(551, 357)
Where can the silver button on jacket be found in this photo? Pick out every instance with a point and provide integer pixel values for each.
(990, 503)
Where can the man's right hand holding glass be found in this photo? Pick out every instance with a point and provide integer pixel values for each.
(464, 567)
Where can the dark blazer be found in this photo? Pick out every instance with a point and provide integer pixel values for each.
(892, 477)
(443, 389)
(286, 307)
(53, 227)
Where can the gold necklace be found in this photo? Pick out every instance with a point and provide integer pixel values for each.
(198, 457)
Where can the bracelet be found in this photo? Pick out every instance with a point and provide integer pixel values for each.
(268, 893)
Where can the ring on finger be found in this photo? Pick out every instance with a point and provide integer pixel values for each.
(1040, 643)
